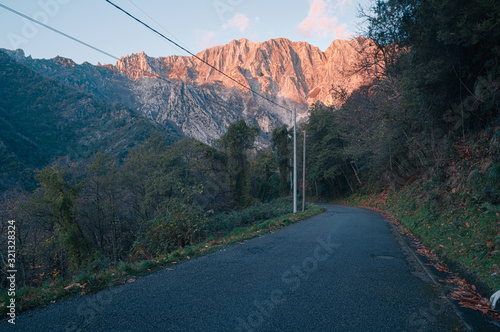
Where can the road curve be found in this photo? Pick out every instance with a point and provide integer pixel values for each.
(343, 270)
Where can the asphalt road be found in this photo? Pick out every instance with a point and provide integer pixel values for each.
(343, 270)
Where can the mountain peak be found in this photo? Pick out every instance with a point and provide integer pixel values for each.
(65, 62)
(18, 54)
(137, 65)
(242, 41)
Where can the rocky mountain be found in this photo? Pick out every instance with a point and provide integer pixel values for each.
(184, 92)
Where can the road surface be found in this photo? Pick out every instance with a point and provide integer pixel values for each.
(343, 270)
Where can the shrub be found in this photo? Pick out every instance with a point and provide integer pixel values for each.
(226, 222)
(182, 226)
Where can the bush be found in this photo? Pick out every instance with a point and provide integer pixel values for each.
(226, 222)
(182, 226)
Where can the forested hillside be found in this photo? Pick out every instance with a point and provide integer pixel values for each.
(423, 140)
(42, 119)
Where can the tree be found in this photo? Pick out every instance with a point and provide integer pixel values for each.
(238, 139)
(385, 29)
(207, 182)
(181, 225)
(328, 164)
(188, 170)
(280, 141)
(103, 195)
(446, 58)
(264, 180)
(144, 174)
(11, 202)
(58, 197)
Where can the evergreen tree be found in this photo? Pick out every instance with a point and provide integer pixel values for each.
(238, 139)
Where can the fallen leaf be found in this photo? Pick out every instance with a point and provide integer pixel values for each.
(467, 297)
(73, 285)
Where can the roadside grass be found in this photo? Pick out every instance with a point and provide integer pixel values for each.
(127, 271)
(452, 224)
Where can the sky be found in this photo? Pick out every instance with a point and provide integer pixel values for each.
(195, 24)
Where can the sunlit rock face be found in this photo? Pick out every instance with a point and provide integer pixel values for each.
(203, 102)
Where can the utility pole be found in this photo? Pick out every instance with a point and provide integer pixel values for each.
(304, 176)
(294, 160)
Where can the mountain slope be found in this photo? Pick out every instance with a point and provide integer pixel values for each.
(41, 119)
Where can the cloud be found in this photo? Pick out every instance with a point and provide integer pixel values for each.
(343, 3)
(321, 22)
(340, 31)
(206, 39)
(239, 21)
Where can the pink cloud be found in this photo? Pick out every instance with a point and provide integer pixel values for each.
(340, 31)
(239, 21)
(320, 21)
(206, 39)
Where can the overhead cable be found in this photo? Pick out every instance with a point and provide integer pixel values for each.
(57, 31)
(195, 56)
(161, 26)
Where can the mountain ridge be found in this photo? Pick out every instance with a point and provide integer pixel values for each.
(202, 102)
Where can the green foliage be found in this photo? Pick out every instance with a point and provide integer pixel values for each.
(181, 226)
(449, 49)
(264, 180)
(152, 172)
(238, 139)
(102, 210)
(58, 197)
(280, 141)
(189, 170)
(226, 222)
(328, 164)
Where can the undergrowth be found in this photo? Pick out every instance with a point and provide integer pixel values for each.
(221, 231)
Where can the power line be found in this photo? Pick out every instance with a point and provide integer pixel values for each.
(57, 31)
(161, 26)
(195, 56)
